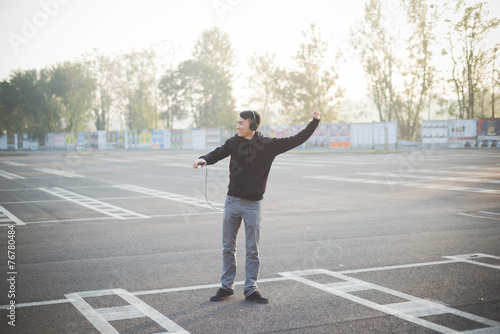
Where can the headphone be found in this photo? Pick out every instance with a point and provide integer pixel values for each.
(254, 125)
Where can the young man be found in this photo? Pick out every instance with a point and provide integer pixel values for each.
(251, 158)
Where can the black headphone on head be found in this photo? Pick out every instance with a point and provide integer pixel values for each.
(254, 125)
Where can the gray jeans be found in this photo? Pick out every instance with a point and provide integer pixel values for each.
(235, 210)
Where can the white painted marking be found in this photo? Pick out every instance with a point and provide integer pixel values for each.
(405, 184)
(190, 166)
(402, 266)
(159, 318)
(11, 176)
(477, 216)
(13, 163)
(264, 280)
(320, 162)
(95, 318)
(409, 310)
(62, 200)
(69, 220)
(417, 309)
(452, 172)
(99, 317)
(348, 286)
(442, 187)
(111, 218)
(200, 287)
(116, 160)
(367, 303)
(432, 178)
(94, 204)
(120, 313)
(399, 310)
(169, 196)
(58, 172)
(490, 213)
(352, 179)
(5, 214)
(469, 258)
(477, 167)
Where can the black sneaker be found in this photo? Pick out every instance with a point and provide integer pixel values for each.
(257, 297)
(221, 295)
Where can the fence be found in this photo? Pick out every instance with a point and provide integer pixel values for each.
(447, 133)
(464, 132)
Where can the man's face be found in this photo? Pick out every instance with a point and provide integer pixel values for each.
(243, 127)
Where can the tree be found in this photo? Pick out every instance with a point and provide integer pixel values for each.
(214, 48)
(469, 52)
(170, 86)
(314, 78)
(72, 88)
(417, 70)
(203, 93)
(106, 71)
(25, 105)
(211, 89)
(263, 85)
(138, 108)
(168, 89)
(138, 96)
(13, 118)
(377, 51)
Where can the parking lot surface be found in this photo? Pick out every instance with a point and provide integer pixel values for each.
(351, 242)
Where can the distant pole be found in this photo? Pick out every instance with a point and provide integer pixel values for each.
(493, 86)
(493, 91)
(386, 137)
(429, 109)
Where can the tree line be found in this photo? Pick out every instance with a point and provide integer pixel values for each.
(149, 89)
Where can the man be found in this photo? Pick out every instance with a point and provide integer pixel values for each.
(251, 158)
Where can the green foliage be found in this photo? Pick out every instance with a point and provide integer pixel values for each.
(470, 54)
(309, 85)
(25, 107)
(201, 87)
(106, 72)
(72, 90)
(377, 51)
(416, 70)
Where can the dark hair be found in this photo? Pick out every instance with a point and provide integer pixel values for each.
(248, 114)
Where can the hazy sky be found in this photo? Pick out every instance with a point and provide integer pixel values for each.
(37, 33)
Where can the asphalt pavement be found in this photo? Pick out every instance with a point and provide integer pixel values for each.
(351, 242)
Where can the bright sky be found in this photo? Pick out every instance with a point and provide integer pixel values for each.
(39, 33)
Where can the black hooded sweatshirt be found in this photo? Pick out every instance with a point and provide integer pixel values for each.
(251, 160)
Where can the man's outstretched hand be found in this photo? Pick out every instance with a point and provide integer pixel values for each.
(316, 114)
(199, 162)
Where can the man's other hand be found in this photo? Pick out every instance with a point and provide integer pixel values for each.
(198, 161)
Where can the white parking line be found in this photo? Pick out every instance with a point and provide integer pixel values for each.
(94, 204)
(190, 166)
(452, 172)
(471, 259)
(11, 176)
(12, 163)
(137, 309)
(58, 172)
(402, 183)
(412, 309)
(116, 160)
(7, 218)
(168, 196)
(432, 178)
(476, 216)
